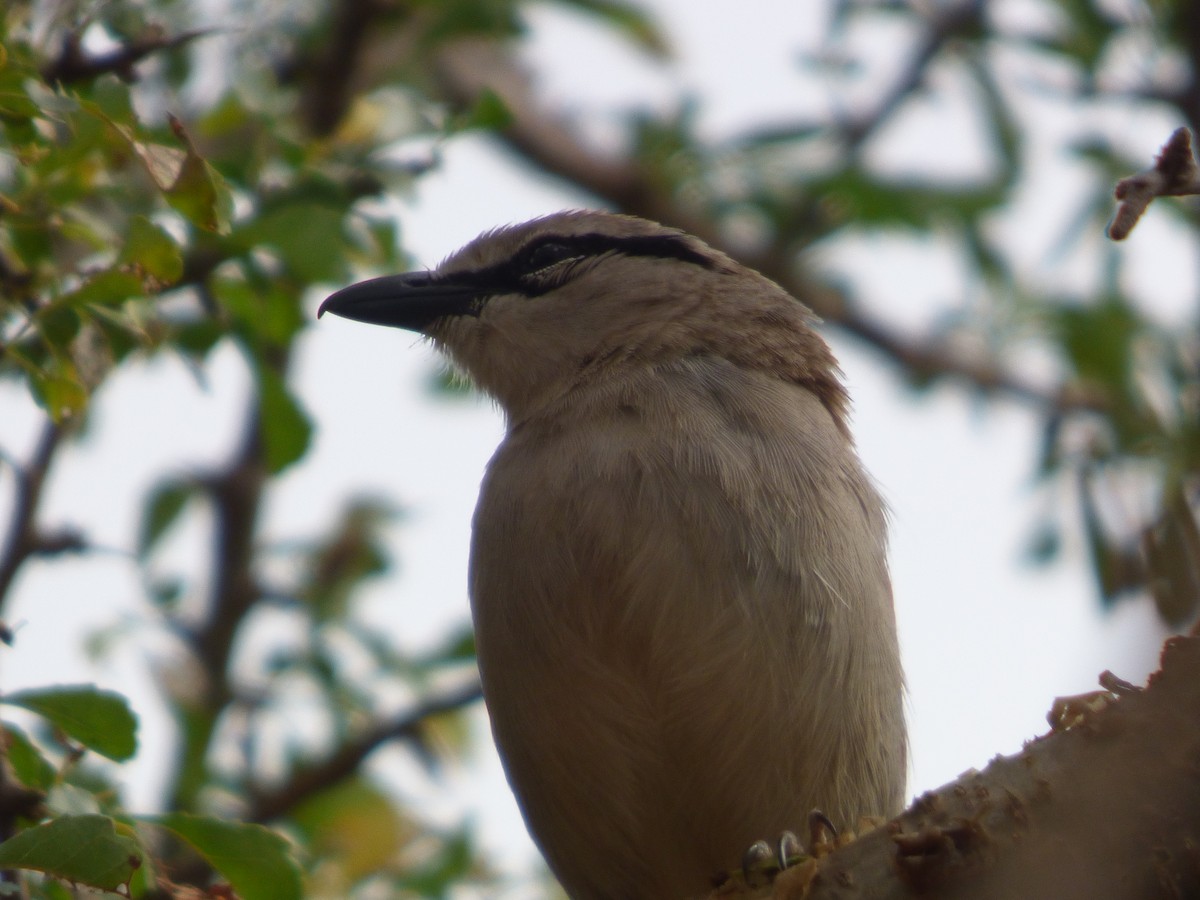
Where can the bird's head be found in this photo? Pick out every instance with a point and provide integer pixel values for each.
(532, 311)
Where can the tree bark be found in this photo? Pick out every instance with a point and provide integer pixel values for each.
(1106, 805)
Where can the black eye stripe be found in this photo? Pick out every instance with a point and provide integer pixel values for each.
(517, 275)
(554, 248)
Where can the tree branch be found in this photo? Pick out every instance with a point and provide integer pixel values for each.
(73, 64)
(237, 497)
(1174, 174)
(23, 540)
(309, 780)
(468, 67)
(946, 23)
(1106, 805)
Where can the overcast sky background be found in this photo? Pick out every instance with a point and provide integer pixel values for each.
(988, 642)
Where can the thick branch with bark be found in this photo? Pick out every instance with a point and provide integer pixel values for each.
(1105, 805)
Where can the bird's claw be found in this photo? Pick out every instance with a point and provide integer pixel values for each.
(762, 862)
(822, 833)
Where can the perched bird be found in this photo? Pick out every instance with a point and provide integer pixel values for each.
(678, 577)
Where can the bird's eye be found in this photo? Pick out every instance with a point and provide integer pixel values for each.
(545, 255)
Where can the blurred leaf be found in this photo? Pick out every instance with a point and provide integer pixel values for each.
(197, 338)
(454, 861)
(107, 288)
(1084, 30)
(58, 323)
(256, 861)
(1172, 549)
(88, 850)
(268, 312)
(201, 195)
(28, 764)
(464, 18)
(285, 427)
(868, 202)
(458, 646)
(353, 552)
(152, 252)
(488, 113)
(308, 236)
(16, 106)
(99, 720)
(356, 824)
(189, 184)
(162, 508)
(629, 19)
(1099, 340)
(1004, 127)
(165, 593)
(1116, 568)
(1045, 545)
(59, 390)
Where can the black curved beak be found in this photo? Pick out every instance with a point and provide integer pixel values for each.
(413, 300)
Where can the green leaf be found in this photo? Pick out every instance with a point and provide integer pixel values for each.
(307, 234)
(356, 823)
(451, 863)
(59, 389)
(256, 861)
(268, 312)
(286, 429)
(1085, 33)
(100, 720)
(165, 593)
(200, 194)
(189, 184)
(107, 288)
(15, 103)
(630, 20)
(908, 203)
(1099, 340)
(59, 324)
(489, 112)
(162, 509)
(1172, 551)
(92, 850)
(31, 768)
(152, 253)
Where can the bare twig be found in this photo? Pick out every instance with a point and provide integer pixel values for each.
(1174, 174)
(23, 539)
(343, 761)
(946, 23)
(73, 63)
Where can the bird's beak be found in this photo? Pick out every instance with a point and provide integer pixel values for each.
(414, 300)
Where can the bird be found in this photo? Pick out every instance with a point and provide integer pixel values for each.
(678, 570)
